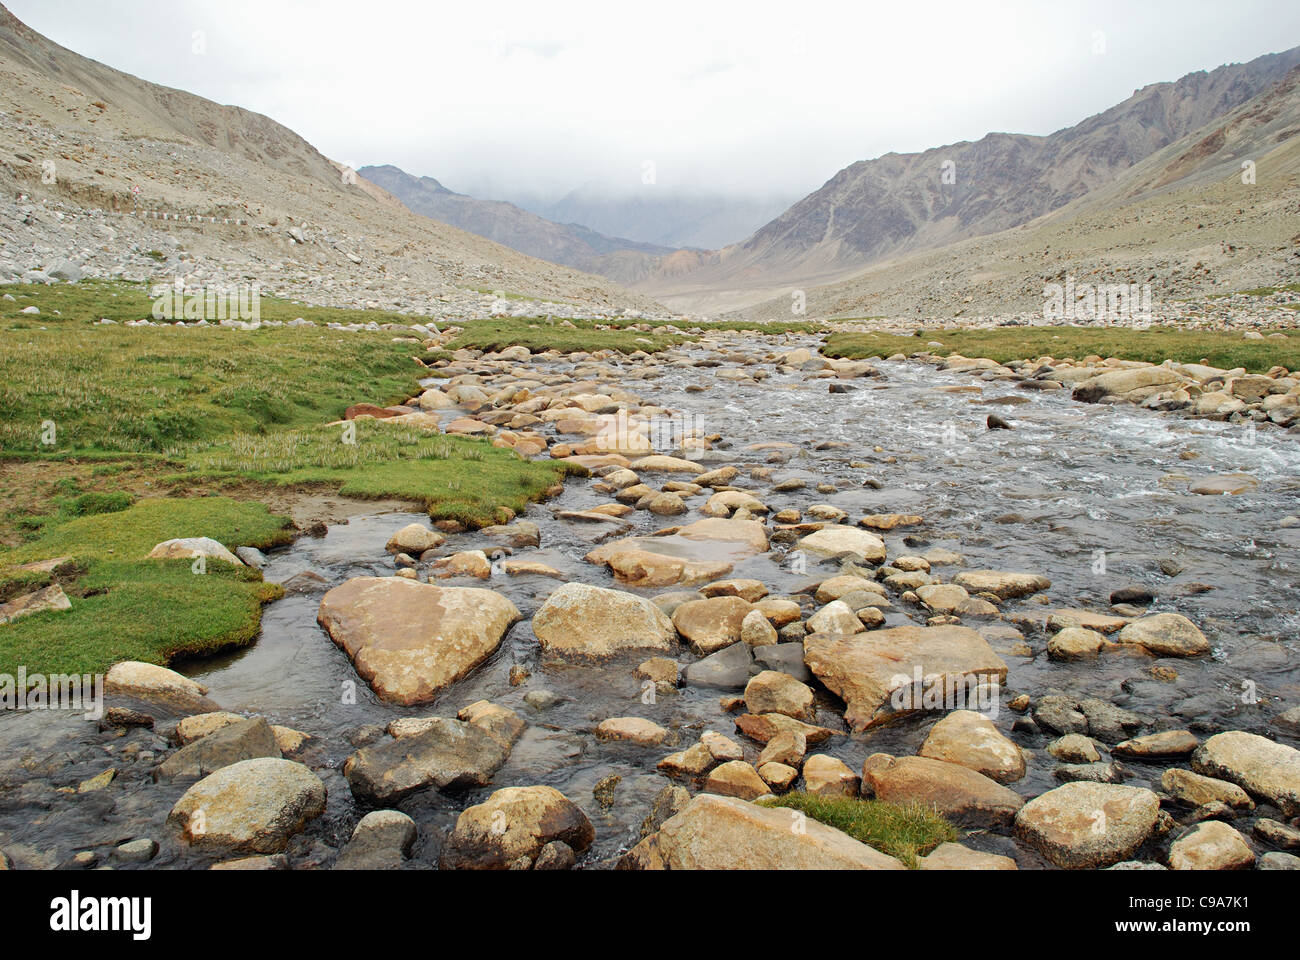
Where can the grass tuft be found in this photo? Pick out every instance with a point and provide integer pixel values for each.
(902, 831)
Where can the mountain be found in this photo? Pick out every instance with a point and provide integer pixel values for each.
(112, 142)
(881, 209)
(565, 243)
(1215, 211)
(665, 217)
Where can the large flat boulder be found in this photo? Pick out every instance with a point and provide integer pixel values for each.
(877, 673)
(589, 621)
(726, 833)
(410, 640)
(1166, 635)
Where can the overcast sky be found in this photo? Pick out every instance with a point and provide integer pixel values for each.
(752, 97)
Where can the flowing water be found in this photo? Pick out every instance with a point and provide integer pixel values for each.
(1092, 496)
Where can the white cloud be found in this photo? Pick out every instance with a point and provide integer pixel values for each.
(757, 97)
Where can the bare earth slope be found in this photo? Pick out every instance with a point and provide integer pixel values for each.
(77, 138)
(882, 209)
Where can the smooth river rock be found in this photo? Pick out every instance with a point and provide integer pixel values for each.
(725, 833)
(592, 621)
(253, 806)
(1085, 825)
(410, 640)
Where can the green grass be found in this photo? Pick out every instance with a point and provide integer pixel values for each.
(145, 390)
(1226, 350)
(454, 477)
(127, 607)
(902, 831)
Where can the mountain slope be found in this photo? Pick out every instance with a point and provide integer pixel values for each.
(569, 244)
(309, 226)
(898, 203)
(1185, 220)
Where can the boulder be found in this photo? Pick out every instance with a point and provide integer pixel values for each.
(728, 669)
(828, 776)
(787, 747)
(1157, 746)
(190, 547)
(835, 619)
(51, 598)
(1196, 790)
(836, 540)
(1266, 770)
(1166, 635)
(773, 692)
(414, 539)
(726, 833)
(955, 792)
(451, 754)
(592, 621)
(954, 856)
(1118, 383)
(634, 729)
(711, 624)
(411, 640)
(736, 778)
(1212, 845)
(382, 840)
(764, 726)
(1087, 825)
(155, 684)
(500, 723)
(233, 742)
(1075, 643)
(757, 631)
(1002, 584)
(970, 739)
(510, 829)
(878, 673)
(253, 806)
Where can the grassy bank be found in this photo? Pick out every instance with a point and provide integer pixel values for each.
(904, 832)
(112, 439)
(128, 607)
(1226, 350)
